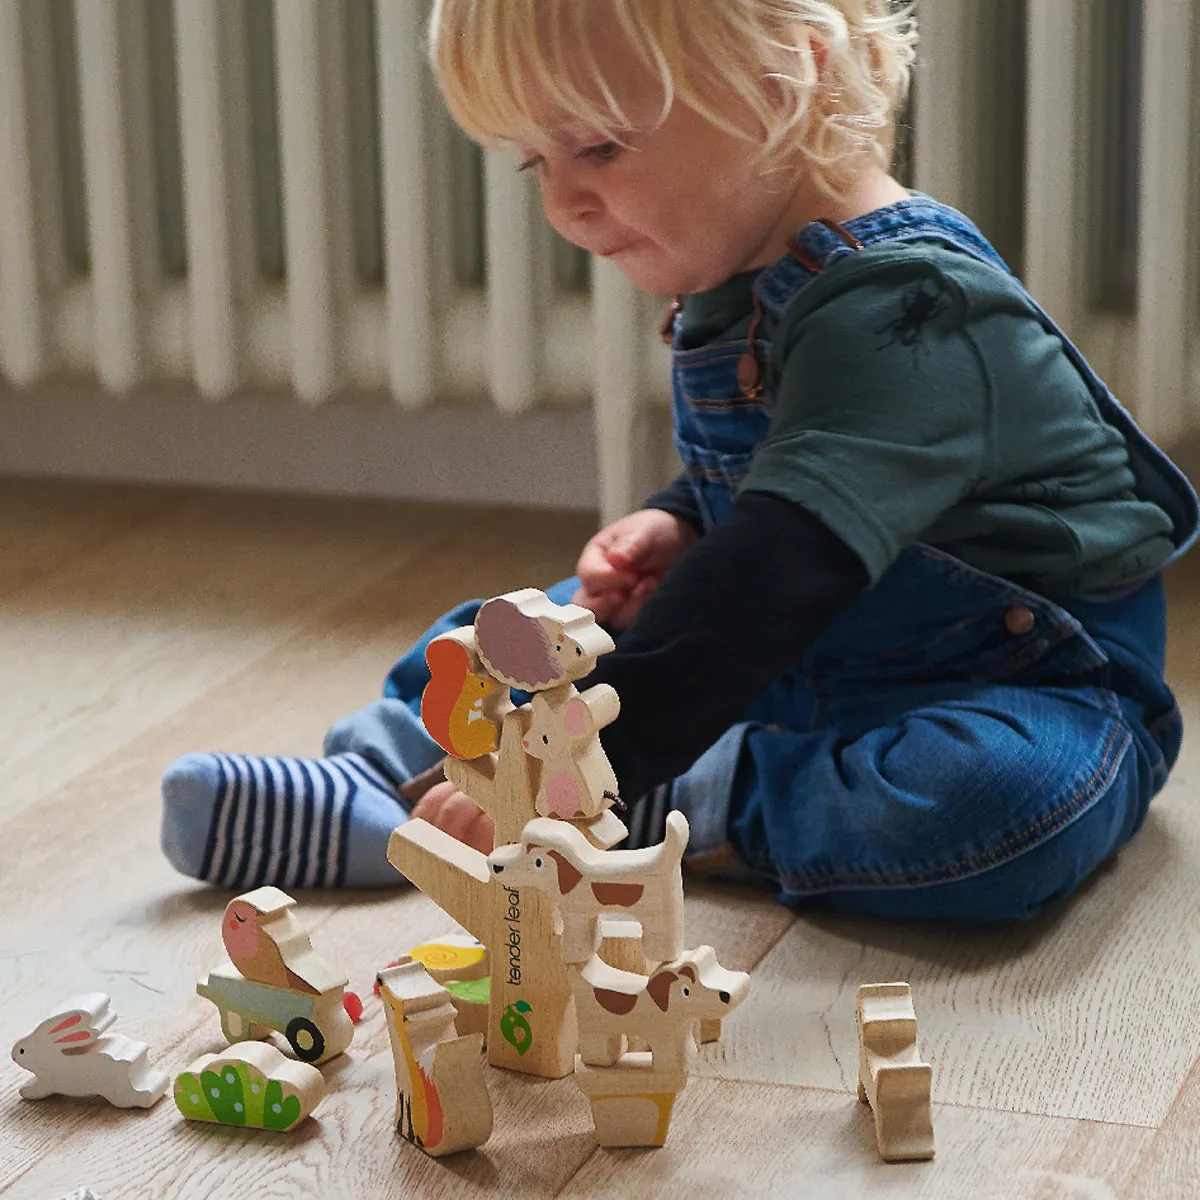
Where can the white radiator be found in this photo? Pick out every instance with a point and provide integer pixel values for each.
(240, 194)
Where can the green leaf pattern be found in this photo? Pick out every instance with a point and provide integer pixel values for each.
(237, 1094)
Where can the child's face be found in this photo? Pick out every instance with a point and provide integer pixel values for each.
(683, 208)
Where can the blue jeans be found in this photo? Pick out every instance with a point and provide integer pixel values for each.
(970, 767)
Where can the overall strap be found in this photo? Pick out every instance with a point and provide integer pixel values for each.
(822, 243)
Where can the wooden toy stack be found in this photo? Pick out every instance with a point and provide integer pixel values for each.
(540, 772)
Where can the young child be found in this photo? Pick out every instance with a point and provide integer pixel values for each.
(895, 637)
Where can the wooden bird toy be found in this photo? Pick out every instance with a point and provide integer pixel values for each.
(462, 705)
(71, 1054)
(253, 1087)
(442, 1104)
(585, 883)
(891, 1076)
(273, 979)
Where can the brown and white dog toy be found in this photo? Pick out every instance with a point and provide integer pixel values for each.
(662, 1008)
(586, 883)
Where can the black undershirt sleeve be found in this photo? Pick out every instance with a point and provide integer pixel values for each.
(739, 609)
(679, 499)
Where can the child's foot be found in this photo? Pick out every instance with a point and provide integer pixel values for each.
(243, 821)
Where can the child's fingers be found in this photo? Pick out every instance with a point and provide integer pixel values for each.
(602, 604)
(598, 573)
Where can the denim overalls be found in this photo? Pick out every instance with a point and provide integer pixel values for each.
(954, 744)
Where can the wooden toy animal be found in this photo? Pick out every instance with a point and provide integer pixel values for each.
(576, 779)
(891, 1076)
(70, 1054)
(531, 643)
(274, 979)
(254, 1087)
(462, 705)
(662, 1008)
(585, 882)
(442, 1103)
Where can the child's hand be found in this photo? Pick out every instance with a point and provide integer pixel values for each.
(622, 565)
(457, 814)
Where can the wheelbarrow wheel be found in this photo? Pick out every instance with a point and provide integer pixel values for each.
(305, 1039)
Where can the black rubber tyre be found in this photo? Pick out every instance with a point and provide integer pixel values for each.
(305, 1039)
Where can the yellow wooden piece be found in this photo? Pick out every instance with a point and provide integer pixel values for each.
(442, 1104)
(631, 1101)
(891, 1076)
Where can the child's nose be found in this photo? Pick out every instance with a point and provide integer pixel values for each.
(570, 207)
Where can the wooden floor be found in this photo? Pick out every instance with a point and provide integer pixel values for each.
(137, 625)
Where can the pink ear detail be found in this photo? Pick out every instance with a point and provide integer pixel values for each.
(74, 1019)
(575, 719)
(81, 1036)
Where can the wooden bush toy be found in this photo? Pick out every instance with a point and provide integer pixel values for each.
(71, 1054)
(254, 1087)
(442, 1103)
(273, 979)
(585, 883)
(891, 1076)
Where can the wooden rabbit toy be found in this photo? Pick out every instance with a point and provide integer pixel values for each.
(70, 1054)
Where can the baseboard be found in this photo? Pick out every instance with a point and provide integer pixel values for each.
(360, 447)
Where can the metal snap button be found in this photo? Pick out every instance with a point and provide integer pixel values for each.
(1019, 620)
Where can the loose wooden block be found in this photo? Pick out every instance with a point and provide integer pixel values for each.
(71, 1054)
(253, 1087)
(462, 705)
(585, 883)
(891, 1076)
(576, 780)
(662, 1008)
(273, 979)
(442, 1103)
(531, 643)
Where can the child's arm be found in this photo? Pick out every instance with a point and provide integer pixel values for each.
(736, 612)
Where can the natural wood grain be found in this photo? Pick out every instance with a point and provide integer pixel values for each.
(137, 625)
(1169, 1166)
(1047, 1018)
(730, 1139)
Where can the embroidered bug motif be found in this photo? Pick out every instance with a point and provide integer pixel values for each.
(917, 308)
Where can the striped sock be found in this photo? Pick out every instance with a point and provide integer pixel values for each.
(241, 821)
(647, 818)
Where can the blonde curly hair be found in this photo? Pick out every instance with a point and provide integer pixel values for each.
(821, 77)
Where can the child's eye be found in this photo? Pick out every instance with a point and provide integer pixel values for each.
(601, 152)
(534, 160)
